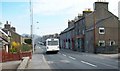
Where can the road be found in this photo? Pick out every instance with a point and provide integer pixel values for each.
(68, 59)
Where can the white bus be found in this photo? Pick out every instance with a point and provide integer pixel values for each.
(52, 44)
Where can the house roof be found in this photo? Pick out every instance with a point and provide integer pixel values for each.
(97, 23)
(3, 32)
(91, 27)
(67, 29)
(4, 40)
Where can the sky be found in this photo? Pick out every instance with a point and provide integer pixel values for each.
(49, 16)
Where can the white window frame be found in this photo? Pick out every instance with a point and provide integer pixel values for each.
(101, 41)
(1, 44)
(9, 33)
(113, 43)
(83, 32)
(101, 28)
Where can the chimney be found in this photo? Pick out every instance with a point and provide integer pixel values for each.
(100, 4)
(70, 23)
(80, 16)
(86, 12)
(7, 26)
(6, 22)
(13, 29)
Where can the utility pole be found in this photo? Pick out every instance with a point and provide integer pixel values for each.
(31, 22)
(94, 16)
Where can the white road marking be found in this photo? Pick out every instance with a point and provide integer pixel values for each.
(45, 61)
(59, 53)
(63, 54)
(65, 61)
(43, 58)
(50, 62)
(72, 57)
(88, 63)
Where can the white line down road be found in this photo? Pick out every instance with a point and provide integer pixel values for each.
(72, 57)
(88, 63)
(63, 54)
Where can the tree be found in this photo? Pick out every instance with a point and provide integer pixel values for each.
(0, 24)
(15, 47)
(28, 41)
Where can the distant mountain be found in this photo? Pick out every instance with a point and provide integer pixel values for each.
(26, 35)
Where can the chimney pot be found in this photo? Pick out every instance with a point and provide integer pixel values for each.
(99, 5)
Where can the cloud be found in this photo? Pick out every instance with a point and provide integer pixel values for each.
(14, 0)
(61, 7)
(52, 6)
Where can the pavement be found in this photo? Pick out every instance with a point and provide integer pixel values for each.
(113, 56)
(0, 66)
(38, 60)
(11, 65)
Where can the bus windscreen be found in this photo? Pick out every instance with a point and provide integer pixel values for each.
(52, 42)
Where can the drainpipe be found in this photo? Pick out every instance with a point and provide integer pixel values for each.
(94, 16)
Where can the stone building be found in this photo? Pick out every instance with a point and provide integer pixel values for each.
(101, 30)
(94, 31)
(67, 36)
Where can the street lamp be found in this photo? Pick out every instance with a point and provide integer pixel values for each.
(34, 36)
(31, 22)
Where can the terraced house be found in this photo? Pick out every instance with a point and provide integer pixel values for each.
(4, 41)
(93, 31)
(11, 31)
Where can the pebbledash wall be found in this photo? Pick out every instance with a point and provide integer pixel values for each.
(119, 24)
(93, 31)
(119, 10)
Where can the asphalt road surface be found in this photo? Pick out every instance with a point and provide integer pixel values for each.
(68, 59)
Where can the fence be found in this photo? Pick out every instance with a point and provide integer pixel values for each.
(14, 56)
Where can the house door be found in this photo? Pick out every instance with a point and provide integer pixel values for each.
(82, 45)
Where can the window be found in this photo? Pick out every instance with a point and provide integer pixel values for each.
(101, 43)
(101, 30)
(0, 44)
(52, 42)
(9, 33)
(83, 32)
(112, 43)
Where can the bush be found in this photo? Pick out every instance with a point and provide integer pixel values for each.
(13, 50)
(15, 47)
(25, 47)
